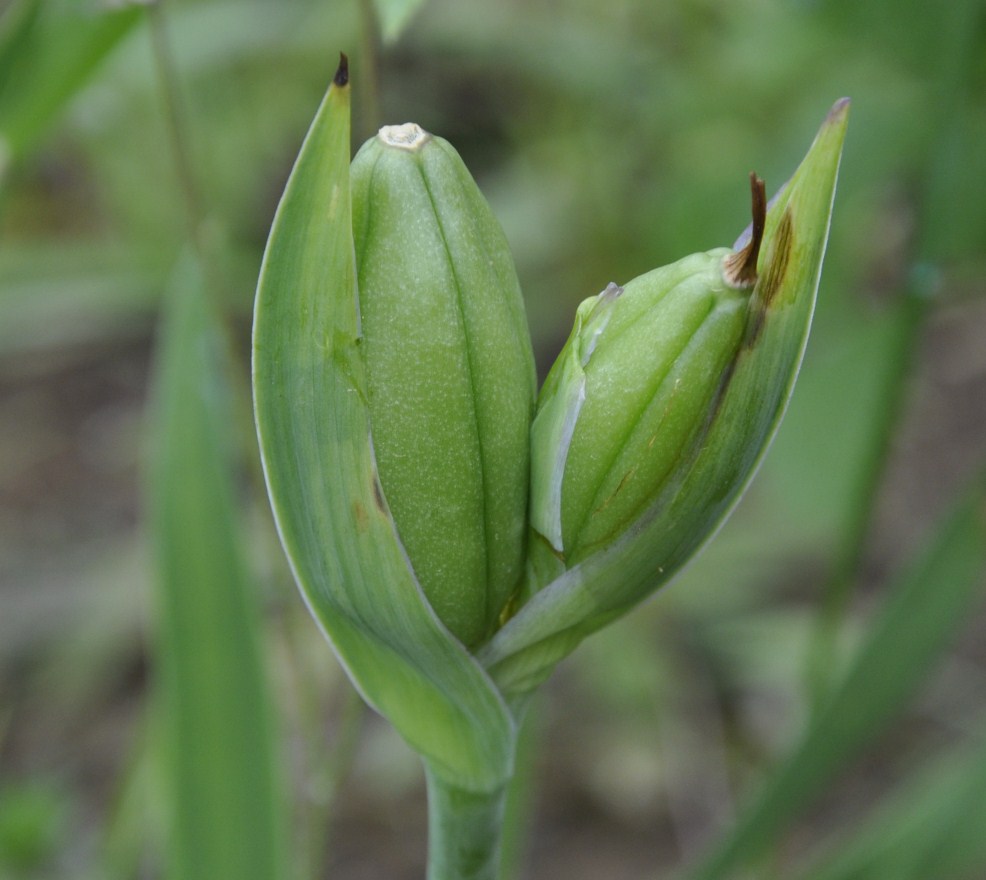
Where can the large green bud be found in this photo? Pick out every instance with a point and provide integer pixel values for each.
(450, 372)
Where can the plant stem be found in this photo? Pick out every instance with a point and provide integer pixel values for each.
(464, 831)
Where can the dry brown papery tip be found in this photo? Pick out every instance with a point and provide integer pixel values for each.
(740, 268)
(342, 73)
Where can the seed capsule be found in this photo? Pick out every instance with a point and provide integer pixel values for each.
(450, 370)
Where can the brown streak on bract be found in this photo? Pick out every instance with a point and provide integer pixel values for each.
(720, 394)
(360, 516)
(378, 494)
(780, 258)
(616, 491)
(772, 279)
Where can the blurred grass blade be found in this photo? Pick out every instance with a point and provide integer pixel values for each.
(932, 826)
(47, 53)
(226, 815)
(395, 15)
(313, 423)
(16, 23)
(923, 613)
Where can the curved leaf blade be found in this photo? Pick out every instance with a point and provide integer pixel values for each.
(930, 826)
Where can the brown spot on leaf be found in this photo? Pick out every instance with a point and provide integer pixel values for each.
(360, 516)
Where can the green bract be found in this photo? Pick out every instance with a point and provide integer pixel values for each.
(450, 372)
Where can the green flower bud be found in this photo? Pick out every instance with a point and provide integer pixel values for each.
(632, 391)
(654, 418)
(450, 373)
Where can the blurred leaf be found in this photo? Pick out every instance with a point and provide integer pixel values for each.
(32, 816)
(56, 296)
(932, 826)
(395, 15)
(313, 423)
(922, 614)
(225, 800)
(46, 57)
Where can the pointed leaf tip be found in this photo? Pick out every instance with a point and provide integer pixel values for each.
(342, 73)
(839, 111)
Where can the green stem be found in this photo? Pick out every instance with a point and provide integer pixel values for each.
(464, 831)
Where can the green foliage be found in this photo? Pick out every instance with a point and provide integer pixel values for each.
(921, 617)
(32, 816)
(929, 826)
(48, 51)
(395, 16)
(225, 813)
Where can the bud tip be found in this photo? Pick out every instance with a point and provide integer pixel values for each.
(342, 72)
(740, 268)
(409, 136)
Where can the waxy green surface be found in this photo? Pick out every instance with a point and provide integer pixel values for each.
(450, 372)
(635, 381)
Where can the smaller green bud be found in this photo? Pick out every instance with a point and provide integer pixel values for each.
(450, 372)
(631, 394)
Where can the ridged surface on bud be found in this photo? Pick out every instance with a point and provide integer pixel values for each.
(628, 398)
(450, 371)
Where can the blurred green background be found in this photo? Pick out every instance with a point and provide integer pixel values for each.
(610, 138)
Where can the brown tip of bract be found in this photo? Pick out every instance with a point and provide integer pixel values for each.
(740, 268)
(342, 73)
